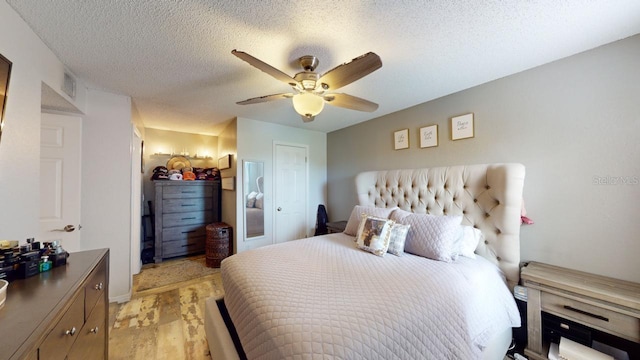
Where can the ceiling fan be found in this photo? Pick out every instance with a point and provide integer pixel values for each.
(311, 90)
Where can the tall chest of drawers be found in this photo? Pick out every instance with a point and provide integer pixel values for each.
(182, 210)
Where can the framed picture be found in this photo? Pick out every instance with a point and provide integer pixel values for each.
(401, 139)
(429, 136)
(224, 162)
(228, 183)
(462, 127)
(5, 74)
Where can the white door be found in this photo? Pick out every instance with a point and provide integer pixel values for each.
(290, 192)
(60, 145)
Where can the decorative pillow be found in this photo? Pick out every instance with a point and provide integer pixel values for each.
(356, 214)
(432, 236)
(251, 199)
(398, 236)
(259, 201)
(468, 241)
(398, 215)
(374, 234)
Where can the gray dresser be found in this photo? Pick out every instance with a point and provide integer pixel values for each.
(182, 210)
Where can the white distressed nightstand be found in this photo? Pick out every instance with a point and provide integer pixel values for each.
(609, 305)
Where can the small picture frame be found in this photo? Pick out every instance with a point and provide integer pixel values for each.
(224, 162)
(429, 136)
(462, 127)
(228, 183)
(401, 139)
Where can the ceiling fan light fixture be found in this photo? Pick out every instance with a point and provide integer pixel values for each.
(308, 104)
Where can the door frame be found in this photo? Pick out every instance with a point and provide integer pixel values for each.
(273, 190)
(136, 203)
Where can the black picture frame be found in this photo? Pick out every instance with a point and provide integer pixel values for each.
(5, 76)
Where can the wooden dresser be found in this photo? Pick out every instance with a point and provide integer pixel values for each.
(59, 314)
(605, 304)
(182, 210)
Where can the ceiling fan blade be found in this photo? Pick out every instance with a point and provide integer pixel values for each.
(261, 65)
(265, 98)
(350, 102)
(349, 72)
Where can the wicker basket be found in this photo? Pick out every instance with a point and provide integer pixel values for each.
(219, 243)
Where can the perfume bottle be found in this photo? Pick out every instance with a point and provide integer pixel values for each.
(45, 264)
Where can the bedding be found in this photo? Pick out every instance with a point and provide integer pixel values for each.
(342, 302)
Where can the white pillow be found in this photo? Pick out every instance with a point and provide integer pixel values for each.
(356, 213)
(398, 237)
(432, 236)
(259, 201)
(469, 239)
(251, 199)
(374, 234)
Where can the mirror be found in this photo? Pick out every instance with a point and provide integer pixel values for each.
(5, 73)
(253, 191)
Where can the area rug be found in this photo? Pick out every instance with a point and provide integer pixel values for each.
(172, 274)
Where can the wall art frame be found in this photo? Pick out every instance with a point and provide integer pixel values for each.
(462, 127)
(401, 139)
(224, 162)
(5, 76)
(428, 136)
(228, 183)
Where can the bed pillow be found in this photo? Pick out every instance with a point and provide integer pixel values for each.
(468, 241)
(251, 199)
(398, 215)
(356, 215)
(434, 237)
(259, 201)
(398, 236)
(374, 234)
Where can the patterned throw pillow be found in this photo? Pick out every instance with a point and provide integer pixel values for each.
(374, 234)
(432, 236)
(398, 236)
(356, 215)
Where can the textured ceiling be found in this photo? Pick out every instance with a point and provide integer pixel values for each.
(174, 57)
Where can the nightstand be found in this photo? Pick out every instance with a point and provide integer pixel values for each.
(599, 307)
(336, 226)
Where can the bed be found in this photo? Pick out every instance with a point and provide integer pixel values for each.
(322, 297)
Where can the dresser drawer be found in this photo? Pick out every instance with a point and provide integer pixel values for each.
(61, 338)
(94, 288)
(622, 325)
(91, 339)
(182, 247)
(182, 205)
(186, 191)
(187, 218)
(183, 232)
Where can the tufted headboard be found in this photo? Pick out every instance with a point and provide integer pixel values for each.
(489, 197)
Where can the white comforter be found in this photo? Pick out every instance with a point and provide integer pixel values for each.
(322, 298)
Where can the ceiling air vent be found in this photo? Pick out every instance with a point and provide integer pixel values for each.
(69, 85)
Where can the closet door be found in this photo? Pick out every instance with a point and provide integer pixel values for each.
(290, 192)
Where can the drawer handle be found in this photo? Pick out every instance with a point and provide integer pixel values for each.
(98, 286)
(188, 232)
(188, 192)
(71, 332)
(189, 218)
(595, 316)
(94, 330)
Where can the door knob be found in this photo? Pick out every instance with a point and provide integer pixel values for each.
(279, 208)
(68, 228)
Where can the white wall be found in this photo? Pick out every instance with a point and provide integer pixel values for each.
(255, 142)
(570, 122)
(106, 185)
(33, 64)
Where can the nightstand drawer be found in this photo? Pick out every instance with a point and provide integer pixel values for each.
(622, 325)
